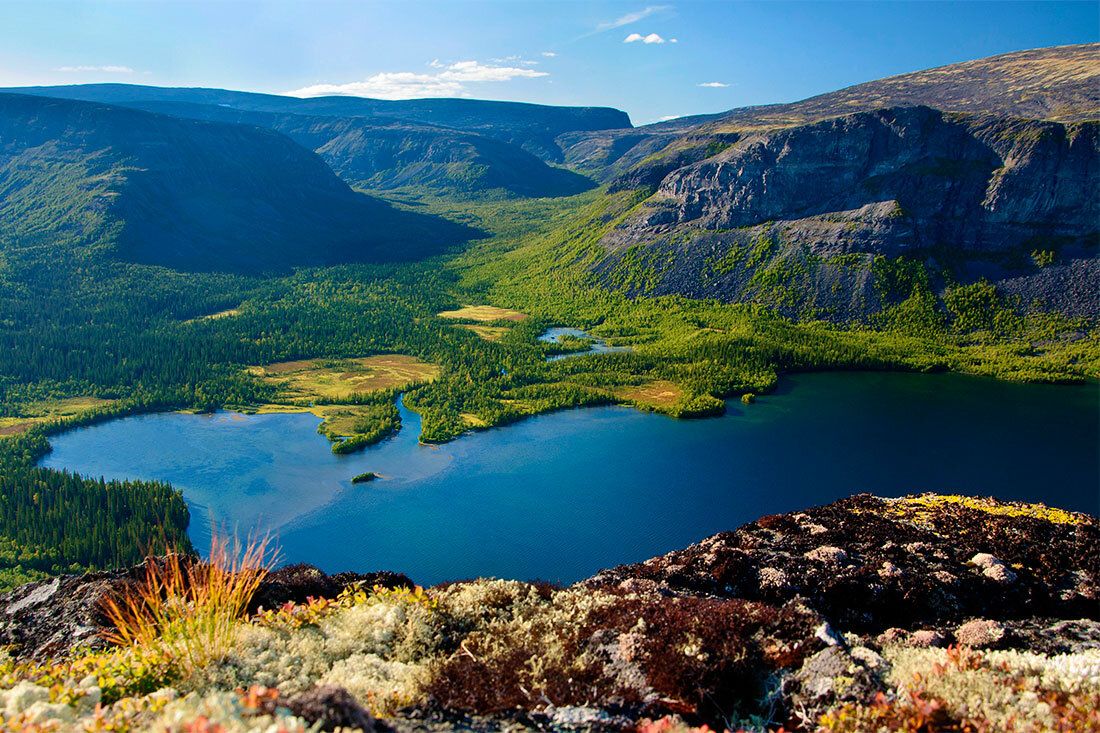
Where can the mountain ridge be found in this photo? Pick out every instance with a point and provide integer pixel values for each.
(192, 194)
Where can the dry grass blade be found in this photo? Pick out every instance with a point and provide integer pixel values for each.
(188, 610)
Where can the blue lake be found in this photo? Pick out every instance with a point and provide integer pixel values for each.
(560, 496)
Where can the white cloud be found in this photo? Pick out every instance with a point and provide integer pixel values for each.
(631, 18)
(551, 54)
(651, 38)
(666, 118)
(437, 64)
(715, 84)
(387, 85)
(410, 85)
(474, 71)
(107, 69)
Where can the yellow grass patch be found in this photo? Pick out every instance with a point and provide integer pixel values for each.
(48, 411)
(335, 379)
(473, 420)
(483, 313)
(489, 333)
(216, 316)
(656, 394)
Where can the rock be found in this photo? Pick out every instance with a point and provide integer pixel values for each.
(834, 675)
(333, 707)
(296, 583)
(909, 574)
(826, 634)
(927, 638)
(980, 633)
(827, 554)
(889, 570)
(893, 635)
(993, 568)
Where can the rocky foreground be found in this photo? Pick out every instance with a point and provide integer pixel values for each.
(924, 613)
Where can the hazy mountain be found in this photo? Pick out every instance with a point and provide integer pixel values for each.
(383, 152)
(187, 194)
(533, 127)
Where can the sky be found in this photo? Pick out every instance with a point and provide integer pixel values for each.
(654, 59)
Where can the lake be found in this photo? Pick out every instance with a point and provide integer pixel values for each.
(562, 495)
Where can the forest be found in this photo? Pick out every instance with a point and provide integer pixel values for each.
(138, 338)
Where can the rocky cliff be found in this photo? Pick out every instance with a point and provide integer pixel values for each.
(932, 612)
(796, 216)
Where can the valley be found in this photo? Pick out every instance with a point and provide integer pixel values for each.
(395, 279)
(499, 366)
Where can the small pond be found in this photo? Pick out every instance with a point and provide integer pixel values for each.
(599, 346)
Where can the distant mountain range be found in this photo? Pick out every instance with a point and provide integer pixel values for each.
(984, 169)
(187, 194)
(462, 145)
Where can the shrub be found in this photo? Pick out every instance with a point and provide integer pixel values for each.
(189, 610)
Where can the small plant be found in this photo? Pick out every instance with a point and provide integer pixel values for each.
(188, 610)
(364, 477)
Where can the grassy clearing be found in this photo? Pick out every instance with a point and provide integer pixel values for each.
(43, 411)
(489, 333)
(215, 316)
(661, 394)
(483, 313)
(322, 380)
(353, 397)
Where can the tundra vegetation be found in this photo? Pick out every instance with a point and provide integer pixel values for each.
(189, 645)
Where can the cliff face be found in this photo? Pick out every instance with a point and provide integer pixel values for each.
(977, 194)
(189, 194)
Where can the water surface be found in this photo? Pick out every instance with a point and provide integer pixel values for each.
(560, 496)
(599, 346)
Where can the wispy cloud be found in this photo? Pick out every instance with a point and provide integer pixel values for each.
(630, 18)
(651, 38)
(107, 69)
(715, 84)
(551, 54)
(409, 85)
(666, 118)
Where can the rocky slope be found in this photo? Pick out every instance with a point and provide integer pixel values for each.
(938, 612)
(187, 194)
(796, 216)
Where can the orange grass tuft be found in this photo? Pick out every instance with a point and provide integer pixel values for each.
(188, 610)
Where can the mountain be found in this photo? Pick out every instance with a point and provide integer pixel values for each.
(1060, 83)
(800, 206)
(186, 194)
(796, 216)
(384, 152)
(533, 127)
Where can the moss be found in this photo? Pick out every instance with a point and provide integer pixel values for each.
(918, 509)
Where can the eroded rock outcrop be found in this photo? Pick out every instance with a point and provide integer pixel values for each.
(806, 209)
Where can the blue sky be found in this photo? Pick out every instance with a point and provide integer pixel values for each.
(651, 58)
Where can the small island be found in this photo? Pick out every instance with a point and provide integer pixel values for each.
(364, 477)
